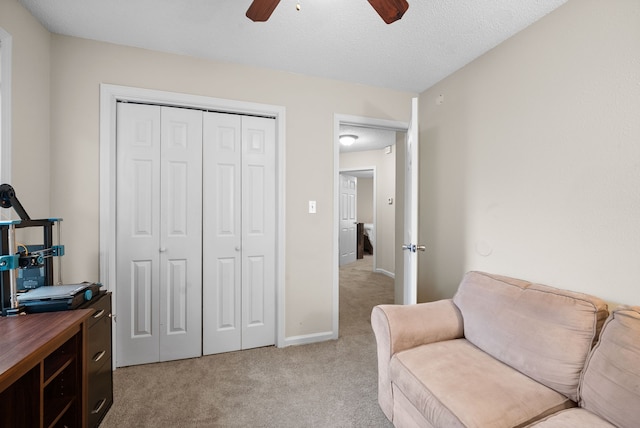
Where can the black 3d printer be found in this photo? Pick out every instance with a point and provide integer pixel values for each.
(26, 271)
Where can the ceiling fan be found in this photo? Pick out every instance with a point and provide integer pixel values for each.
(389, 10)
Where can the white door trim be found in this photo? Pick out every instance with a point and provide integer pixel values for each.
(344, 119)
(109, 96)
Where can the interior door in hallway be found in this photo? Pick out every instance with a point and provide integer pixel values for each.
(411, 246)
(239, 227)
(348, 219)
(159, 233)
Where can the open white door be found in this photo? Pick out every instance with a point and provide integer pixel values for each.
(348, 218)
(410, 246)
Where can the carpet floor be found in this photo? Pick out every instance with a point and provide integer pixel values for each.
(327, 384)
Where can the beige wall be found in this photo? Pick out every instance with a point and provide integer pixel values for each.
(30, 109)
(531, 166)
(78, 67)
(385, 165)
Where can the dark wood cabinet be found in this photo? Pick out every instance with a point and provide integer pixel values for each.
(43, 370)
(99, 359)
(55, 367)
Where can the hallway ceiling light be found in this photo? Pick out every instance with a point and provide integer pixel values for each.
(348, 139)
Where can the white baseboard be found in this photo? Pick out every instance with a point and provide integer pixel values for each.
(386, 272)
(309, 338)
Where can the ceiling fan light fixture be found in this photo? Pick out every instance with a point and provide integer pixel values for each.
(348, 139)
(389, 10)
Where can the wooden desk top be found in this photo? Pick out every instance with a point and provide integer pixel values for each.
(25, 340)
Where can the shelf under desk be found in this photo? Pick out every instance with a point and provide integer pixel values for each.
(42, 369)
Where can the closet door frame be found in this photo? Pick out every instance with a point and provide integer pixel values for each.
(109, 96)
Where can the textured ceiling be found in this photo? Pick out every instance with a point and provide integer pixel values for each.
(337, 39)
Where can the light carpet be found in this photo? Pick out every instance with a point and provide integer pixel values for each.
(327, 384)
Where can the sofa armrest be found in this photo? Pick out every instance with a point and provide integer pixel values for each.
(400, 327)
(409, 326)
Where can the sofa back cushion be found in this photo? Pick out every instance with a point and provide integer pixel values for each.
(610, 384)
(544, 332)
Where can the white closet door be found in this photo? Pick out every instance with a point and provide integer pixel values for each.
(222, 239)
(258, 232)
(180, 234)
(239, 232)
(137, 235)
(158, 233)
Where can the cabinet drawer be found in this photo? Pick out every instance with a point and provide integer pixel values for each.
(98, 345)
(102, 309)
(98, 360)
(100, 395)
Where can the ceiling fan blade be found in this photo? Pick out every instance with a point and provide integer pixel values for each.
(261, 10)
(390, 10)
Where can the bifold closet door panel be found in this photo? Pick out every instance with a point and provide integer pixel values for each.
(137, 233)
(222, 233)
(159, 233)
(180, 234)
(258, 231)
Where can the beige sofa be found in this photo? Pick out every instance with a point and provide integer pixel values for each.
(502, 353)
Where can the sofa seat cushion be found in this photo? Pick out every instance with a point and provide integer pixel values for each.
(455, 384)
(610, 384)
(573, 418)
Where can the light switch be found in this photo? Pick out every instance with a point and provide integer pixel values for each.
(312, 207)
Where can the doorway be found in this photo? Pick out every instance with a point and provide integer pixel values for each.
(357, 214)
(351, 161)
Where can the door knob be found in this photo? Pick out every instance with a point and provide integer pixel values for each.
(413, 248)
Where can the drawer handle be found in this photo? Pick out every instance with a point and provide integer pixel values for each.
(99, 356)
(98, 406)
(98, 314)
